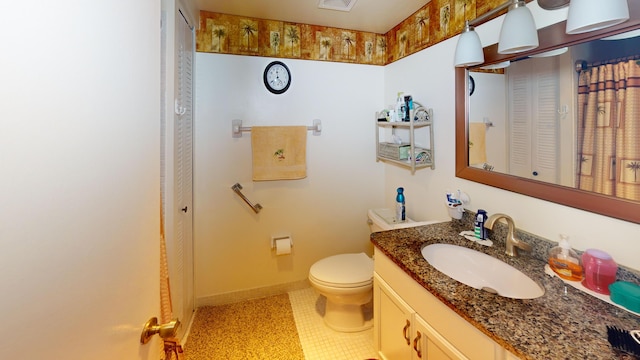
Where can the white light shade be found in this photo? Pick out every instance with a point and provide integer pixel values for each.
(518, 32)
(591, 15)
(469, 49)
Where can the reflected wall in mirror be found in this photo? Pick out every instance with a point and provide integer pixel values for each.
(528, 129)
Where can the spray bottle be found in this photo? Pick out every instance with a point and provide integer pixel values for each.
(400, 206)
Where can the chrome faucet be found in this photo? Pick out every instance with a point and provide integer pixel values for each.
(512, 242)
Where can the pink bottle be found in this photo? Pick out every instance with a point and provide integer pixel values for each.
(599, 270)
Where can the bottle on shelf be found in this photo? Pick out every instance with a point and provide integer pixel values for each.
(400, 107)
(408, 104)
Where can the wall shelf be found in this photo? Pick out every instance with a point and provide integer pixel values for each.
(410, 156)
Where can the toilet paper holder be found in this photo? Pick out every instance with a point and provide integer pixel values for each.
(280, 237)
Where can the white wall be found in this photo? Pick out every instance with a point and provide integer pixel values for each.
(429, 75)
(325, 213)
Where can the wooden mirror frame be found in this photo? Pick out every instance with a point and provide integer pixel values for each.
(551, 37)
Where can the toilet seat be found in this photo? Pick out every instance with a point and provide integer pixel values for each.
(343, 271)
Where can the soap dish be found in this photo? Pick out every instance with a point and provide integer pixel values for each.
(626, 294)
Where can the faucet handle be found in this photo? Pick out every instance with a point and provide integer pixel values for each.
(514, 243)
(523, 245)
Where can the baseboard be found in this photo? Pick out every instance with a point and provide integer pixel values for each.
(255, 293)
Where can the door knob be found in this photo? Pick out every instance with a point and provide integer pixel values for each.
(184, 209)
(165, 331)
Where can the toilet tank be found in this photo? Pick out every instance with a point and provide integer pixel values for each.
(385, 219)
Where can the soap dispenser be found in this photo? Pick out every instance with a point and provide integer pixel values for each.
(564, 261)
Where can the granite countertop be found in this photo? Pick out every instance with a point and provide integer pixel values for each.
(565, 323)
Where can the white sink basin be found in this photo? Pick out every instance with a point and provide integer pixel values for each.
(481, 271)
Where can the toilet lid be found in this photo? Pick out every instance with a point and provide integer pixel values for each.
(344, 269)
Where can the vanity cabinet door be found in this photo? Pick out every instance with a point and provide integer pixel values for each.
(446, 335)
(393, 319)
(427, 344)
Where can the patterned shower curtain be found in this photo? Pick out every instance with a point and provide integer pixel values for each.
(609, 129)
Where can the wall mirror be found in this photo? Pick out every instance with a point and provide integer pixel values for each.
(494, 125)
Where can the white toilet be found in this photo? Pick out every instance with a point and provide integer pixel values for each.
(346, 280)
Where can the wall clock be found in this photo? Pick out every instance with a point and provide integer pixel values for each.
(277, 77)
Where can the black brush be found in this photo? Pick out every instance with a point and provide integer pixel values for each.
(624, 340)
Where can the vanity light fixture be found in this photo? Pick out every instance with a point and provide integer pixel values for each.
(469, 48)
(589, 15)
(518, 34)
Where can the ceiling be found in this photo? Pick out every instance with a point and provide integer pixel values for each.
(377, 16)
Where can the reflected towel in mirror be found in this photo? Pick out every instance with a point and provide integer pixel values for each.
(477, 147)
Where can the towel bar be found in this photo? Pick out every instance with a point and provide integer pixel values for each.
(237, 128)
(237, 187)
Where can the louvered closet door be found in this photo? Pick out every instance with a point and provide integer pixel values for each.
(519, 119)
(182, 283)
(533, 119)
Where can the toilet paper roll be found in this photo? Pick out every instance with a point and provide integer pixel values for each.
(283, 246)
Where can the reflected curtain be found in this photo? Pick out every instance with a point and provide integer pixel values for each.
(609, 129)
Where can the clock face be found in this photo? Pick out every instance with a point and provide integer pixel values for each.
(277, 77)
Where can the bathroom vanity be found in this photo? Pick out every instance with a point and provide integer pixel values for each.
(429, 329)
(421, 313)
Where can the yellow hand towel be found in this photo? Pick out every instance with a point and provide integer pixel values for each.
(279, 152)
(477, 147)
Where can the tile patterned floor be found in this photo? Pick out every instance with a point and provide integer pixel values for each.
(320, 342)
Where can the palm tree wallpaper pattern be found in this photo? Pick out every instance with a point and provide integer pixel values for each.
(292, 40)
(436, 21)
(248, 31)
